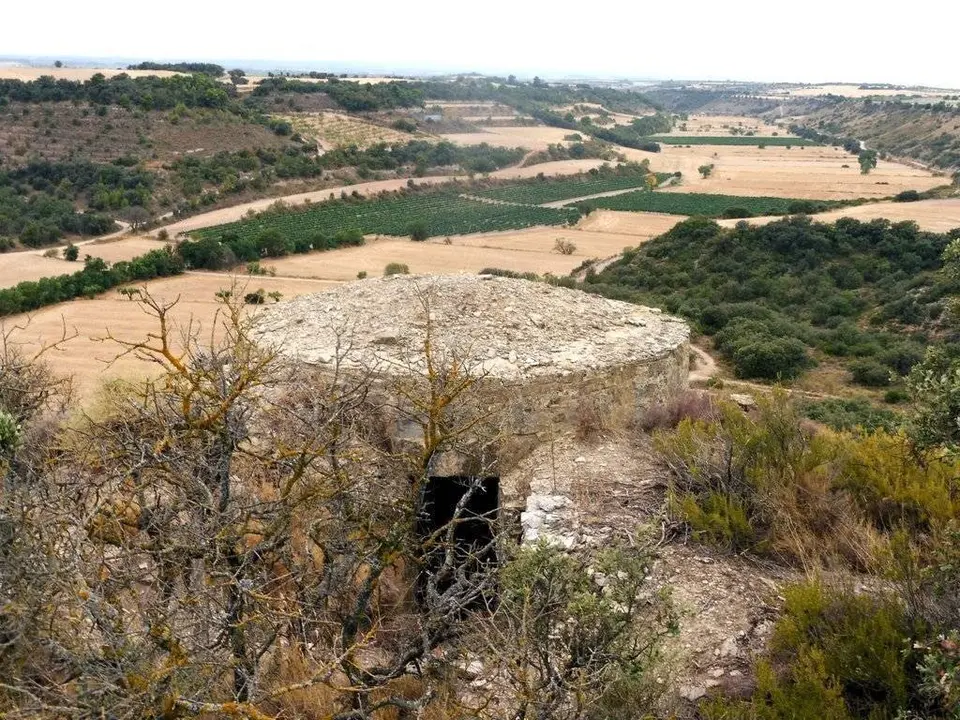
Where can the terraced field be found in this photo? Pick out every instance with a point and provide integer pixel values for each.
(440, 213)
(335, 130)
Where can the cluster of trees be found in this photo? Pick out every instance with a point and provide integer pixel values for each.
(42, 219)
(576, 151)
(422, 155)
(145, 93)
(632, 136)
(37, 201)
(211, 253)
(867, 293)
(352, 96)
(101, 186)
(210, 69)
(535, 94)
(234, 172)
(95, 277)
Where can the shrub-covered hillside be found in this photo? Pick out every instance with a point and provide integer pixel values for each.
(775, 297)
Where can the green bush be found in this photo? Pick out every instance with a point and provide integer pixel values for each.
(419, 231)
(870, 373)
(849, 414)
(757, 351)
(907, 196)
(842, 656)
(71, 252)
(771, 484)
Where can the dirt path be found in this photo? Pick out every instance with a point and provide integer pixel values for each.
(609, 193)
(237, 212)
(598, 266)
(705, 368)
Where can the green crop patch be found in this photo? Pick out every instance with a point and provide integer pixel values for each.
(714, 206)
(538, 191)
(436, 213)
(731, 140)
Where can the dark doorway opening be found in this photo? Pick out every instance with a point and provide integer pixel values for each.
(473, 534)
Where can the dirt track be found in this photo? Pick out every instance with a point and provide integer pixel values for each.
(236, 212)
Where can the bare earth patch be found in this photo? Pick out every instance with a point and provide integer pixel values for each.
(532, 138)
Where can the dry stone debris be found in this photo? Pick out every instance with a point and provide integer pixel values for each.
(500, 327)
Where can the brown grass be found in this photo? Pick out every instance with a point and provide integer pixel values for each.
(89, 359)
(815, 172)
(934, 215)
(531, 138)
(28, 74)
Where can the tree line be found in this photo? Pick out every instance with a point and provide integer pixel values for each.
(95, 277)
(145, 93)
(210, 69)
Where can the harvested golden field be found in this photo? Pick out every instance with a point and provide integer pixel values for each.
(32, 264)
(810, 172)
(722, 124)
(17, 267)
(532, 138)
(333, 130)
(531, 250)
(28, 74)
(635, 226)
(433, 257)
(932, 215)
(87, 358)
(855, 91)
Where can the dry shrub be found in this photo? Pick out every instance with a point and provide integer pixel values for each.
(588, 421)
(766, 483)
(688, 405)
(564, 246)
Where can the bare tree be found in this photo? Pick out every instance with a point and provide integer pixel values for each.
(220, 540)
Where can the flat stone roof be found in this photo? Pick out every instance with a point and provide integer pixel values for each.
(501, 327)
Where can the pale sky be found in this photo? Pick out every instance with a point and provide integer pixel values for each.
(815, 41)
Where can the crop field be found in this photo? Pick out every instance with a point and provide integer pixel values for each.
(723, 125)
(821, 172)
(634, 227)
(855, 91)
(693, 203)
(539, 192)
(536, 137)
(731, 140)
(442, 213)
(933, 215)
(17, 267)
(28, 74)
(336, 130)
(90, 360)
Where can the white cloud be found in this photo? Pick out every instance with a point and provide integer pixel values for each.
(749, 40)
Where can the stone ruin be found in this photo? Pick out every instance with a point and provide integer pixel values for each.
(547, 358)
